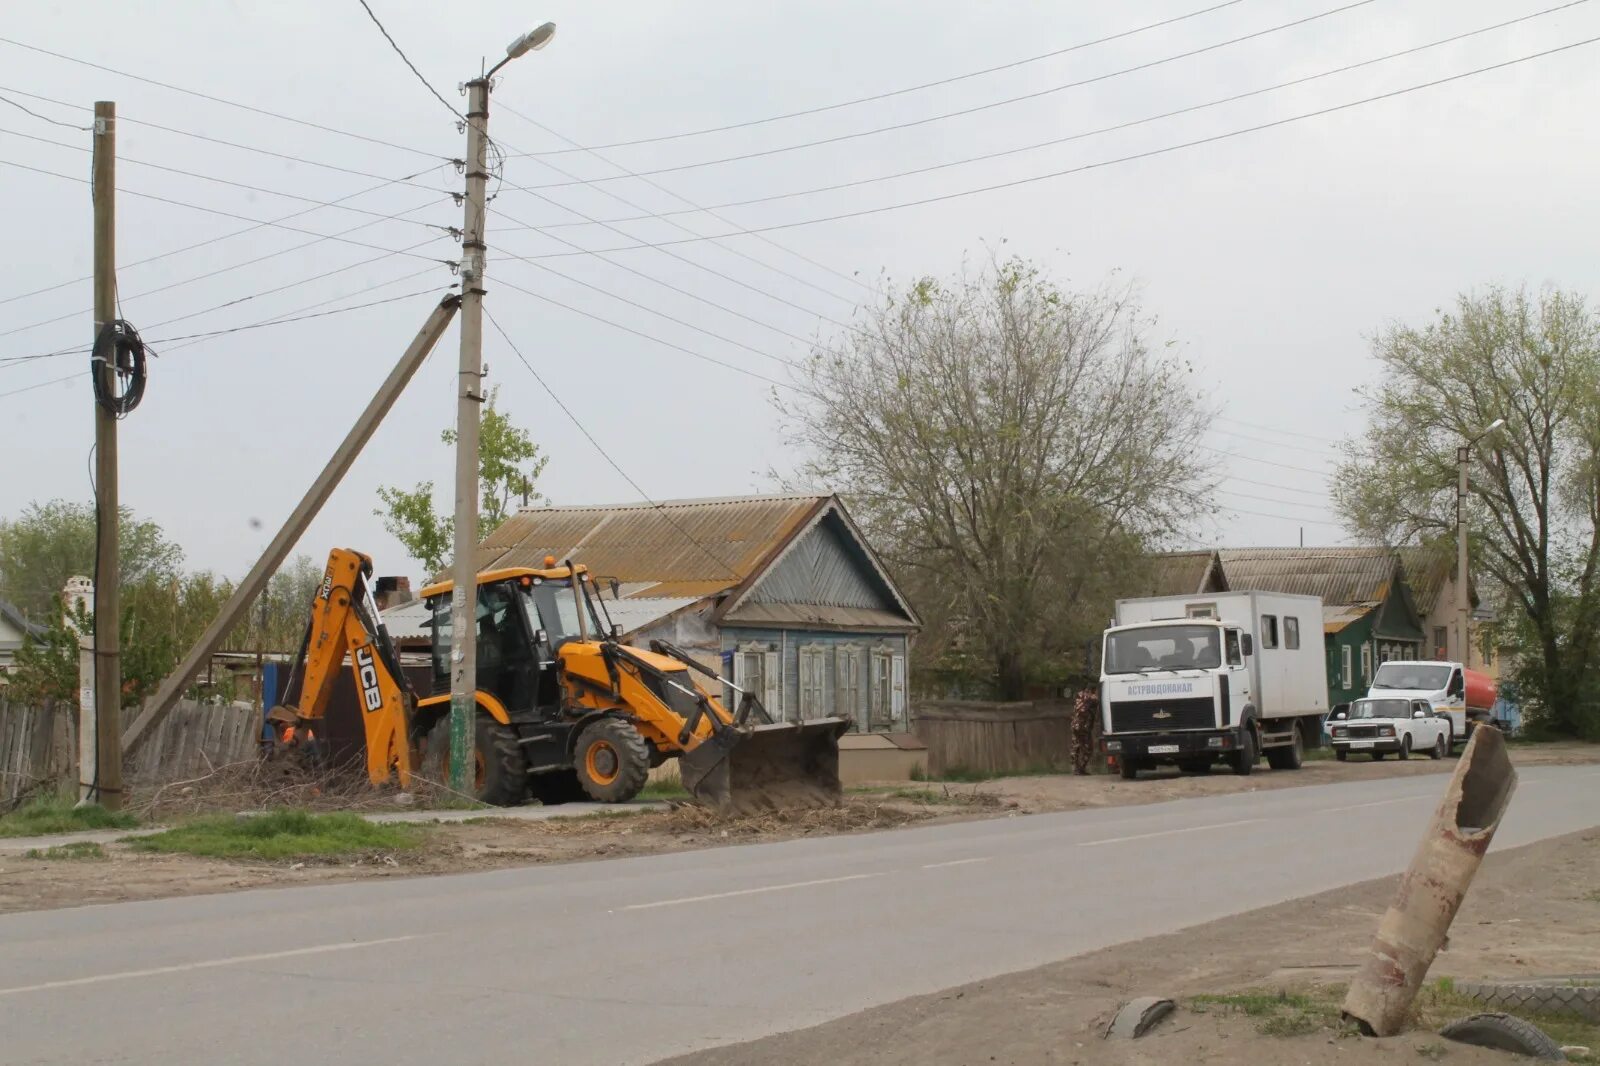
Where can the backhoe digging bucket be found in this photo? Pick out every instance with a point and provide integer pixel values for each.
(766, 767)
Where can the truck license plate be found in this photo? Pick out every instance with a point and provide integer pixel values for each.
(1163, 749)
(1362, 743)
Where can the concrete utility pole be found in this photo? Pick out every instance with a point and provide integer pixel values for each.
(469, 398)
(104, 778)
(469, 401)
(78, 599)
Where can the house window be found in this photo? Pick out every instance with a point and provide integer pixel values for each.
(1269, 631)
(1291, 632)
(1366, 665)
(813, 681)
(1346, 674)
(755, 669)
(888, 689)
(1441, 642)
(847, 686)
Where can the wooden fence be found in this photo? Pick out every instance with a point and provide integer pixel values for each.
(995, 738)
(40, 744)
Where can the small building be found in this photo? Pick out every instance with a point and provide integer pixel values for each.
(1431, 574)
(15, 629)
(1182, 573)
(1368, 615)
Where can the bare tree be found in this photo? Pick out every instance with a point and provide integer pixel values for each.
(1534, 503)
(1008, 445)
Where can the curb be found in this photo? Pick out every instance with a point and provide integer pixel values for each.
(1553, 995)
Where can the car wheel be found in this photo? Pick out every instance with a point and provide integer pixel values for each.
(1439, 747)
(1405, 748)
(1340, 754)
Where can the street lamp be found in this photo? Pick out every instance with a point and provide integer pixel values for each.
(1463, 591)
(469, 402)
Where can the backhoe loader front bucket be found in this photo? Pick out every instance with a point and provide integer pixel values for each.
(740, 770)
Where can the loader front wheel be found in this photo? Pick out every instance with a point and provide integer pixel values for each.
(612, 760)
(500, 776)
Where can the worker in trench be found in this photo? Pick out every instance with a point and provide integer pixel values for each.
(1084, 710)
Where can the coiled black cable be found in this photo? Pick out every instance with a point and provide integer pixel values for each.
(118, 347)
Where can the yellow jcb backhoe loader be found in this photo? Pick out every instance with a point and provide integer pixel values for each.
(565, 710)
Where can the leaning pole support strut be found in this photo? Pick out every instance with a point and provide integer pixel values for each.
(311, 503)
(1431, 890)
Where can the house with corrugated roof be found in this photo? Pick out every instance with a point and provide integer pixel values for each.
(1368, 614)
(780, 594)
(1179, 573)
(1431, 575)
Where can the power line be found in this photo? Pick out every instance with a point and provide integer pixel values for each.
(1134, 157)
(217, 99)
(1275, 429)
(1276, 500)
(1321, 494)
(1118, 127)
(909, 89)
(45, 118)
(1264, 462)
(1273, 443)
(839, 138)
(1283, 517)
(599, 448)
(219, 181)
(646, 336)
(664, 216)
(213, 210)
(297, 318)
(215, 240)
(406, 60)
(39, 385)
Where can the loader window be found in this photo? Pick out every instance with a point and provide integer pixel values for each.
(558, 613)
(441, 641)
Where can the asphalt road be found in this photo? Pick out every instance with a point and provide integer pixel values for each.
(633, 960)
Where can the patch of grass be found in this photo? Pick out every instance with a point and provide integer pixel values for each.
(1438, 1004)
(78, 849)
(1318, 755)
(46, 816)
(661, 791)
(1593, 897)
(1280, 1014)
(280, 835)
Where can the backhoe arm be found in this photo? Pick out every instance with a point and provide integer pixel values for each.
(345, 623)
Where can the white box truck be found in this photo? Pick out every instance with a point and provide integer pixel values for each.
(1193, 680)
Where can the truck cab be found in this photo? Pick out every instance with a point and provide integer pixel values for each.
(1172, 693)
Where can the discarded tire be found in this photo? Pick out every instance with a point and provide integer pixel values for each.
(1558, 995)
(1504, 1033)
(1138, 1017)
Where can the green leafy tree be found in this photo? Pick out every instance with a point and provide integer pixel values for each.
(50, 542)
(509, 464)
(1533, 508)
(1009, 446)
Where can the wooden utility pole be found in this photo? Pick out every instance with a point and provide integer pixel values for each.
(469, 401)
(105, 778)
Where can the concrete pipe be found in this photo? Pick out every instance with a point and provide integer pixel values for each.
(1433, 887)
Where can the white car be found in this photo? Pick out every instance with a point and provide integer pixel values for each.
(1376, 726)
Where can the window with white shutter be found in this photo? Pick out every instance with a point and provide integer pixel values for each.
(882, 687)
(813, 681)
(897, 693)
(847, 686)
(772, 685)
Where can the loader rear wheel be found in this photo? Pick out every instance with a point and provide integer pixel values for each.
(612, 760)
(498, 771)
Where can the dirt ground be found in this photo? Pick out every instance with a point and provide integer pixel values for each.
(1531, 911)
(487, 843)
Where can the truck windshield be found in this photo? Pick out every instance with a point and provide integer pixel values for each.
(1380, 709)
(1403, 675)
(1175, 647)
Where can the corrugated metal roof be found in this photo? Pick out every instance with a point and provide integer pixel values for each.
(1181, 574)
(636, 613)
(1427, 569)
(408, 621)
(677, 548)
(1336, 617)
(1338, 575)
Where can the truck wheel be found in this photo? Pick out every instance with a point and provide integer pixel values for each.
(1243, 761)
(498, 776)
(612, 760)
(1128, 769)
(1291, 757)
(1341, 754)
(1440, 746)
(1405, 748)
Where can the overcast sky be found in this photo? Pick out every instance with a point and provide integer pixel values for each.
(1270, 257)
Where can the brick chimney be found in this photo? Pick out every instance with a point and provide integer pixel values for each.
(392, 592)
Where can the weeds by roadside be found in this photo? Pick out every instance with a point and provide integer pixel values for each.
(1281, 1013)
(76, 851)
(44, 817)
(281, 835)
(961, 775)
